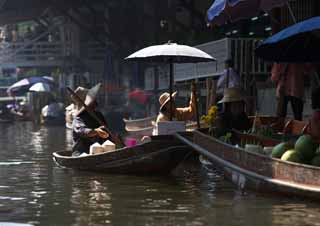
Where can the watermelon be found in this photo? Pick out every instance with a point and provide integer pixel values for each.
(279, 149)
(291, 156)
(306, 147)
(316, 161)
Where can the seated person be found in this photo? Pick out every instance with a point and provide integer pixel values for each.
(233, 115)
(52, 110)
(179, 114)
(24, 111)
(314, 123)
(86, 130)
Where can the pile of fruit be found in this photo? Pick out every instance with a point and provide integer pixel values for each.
(305, 151)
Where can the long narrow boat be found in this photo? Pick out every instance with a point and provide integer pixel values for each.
(139, 123)
(251, 170)
(144, 127)
(159, 156)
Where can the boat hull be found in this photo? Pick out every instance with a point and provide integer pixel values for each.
(158, 156)
(248, 170)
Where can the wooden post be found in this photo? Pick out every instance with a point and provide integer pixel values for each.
(195, 95)
(213, 92)
(209, 93)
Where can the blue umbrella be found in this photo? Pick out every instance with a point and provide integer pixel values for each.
(224, 11)
(23, 85)
(297, 43)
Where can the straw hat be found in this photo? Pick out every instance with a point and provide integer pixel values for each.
(165, 98)
(81, 92)
(232, 95)
(90, 97)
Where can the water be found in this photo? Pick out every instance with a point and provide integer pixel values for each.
(34, 191)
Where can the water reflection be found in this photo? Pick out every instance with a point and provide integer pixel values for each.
(33, 190)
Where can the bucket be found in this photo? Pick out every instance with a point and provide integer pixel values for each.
(130, 142)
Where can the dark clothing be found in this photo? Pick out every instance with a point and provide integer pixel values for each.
(226, 122)
(296, 105)
(82, 125)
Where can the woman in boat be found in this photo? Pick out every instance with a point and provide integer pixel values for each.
(314, 123)
(86, 130)
(233, 115)
(179, 114)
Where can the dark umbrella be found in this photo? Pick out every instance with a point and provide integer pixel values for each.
(170, 53)
(297, 43)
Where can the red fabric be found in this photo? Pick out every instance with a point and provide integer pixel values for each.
(139, 96)
(293, 80)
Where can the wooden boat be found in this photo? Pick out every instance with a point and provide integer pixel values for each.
(251, 170)
(282, 127)
(139, 123)
(161, 155)
(144, 127)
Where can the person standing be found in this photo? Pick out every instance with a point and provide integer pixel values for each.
(314, 122)
(229, 79)
(290, 87)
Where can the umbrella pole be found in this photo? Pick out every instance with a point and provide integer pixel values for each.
(171, 89)
(195, 95)
(291, 13)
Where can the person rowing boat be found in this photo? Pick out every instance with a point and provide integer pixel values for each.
(86, 129)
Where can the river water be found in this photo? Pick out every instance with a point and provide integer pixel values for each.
(34, 191)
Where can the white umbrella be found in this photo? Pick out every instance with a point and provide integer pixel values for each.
(40, 87)
(170, 53)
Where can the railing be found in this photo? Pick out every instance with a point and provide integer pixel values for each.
(38, 52)
(241, 50)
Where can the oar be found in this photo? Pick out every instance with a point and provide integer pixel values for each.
(115, 138)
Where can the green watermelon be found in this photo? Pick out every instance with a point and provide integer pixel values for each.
(316, 161)
(306, 147)
(291, 156)
(279, 149)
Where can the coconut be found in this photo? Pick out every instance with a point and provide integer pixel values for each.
(279, 149)
(291, 156)
(306, 147)
(316, 161)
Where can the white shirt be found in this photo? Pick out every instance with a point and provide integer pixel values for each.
(234, 80)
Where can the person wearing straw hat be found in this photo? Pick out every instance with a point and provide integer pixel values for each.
(233, 115)
(75, 106)
(179, 114)
(86, 130)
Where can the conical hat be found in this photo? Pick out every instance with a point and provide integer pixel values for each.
(90, 97)
(232, 95)
(82, 93)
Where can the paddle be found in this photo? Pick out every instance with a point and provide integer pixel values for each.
(115, 138)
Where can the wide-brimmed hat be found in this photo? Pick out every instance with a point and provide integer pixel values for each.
(165, 98)
(90, 97)
(232, 95)
(82, 93)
